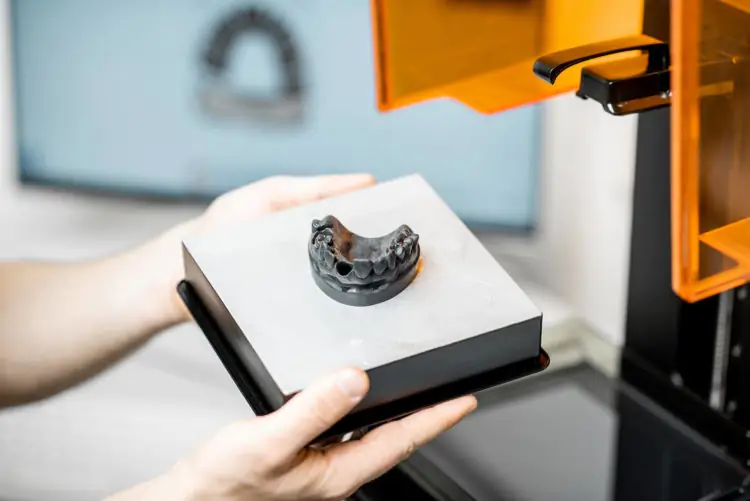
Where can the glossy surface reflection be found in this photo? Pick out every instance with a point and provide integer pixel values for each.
(573, 435)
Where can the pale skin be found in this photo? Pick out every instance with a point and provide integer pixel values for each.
(62, 323)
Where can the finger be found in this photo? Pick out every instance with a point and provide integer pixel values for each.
(359, 462)
(302, 190)
(314, 410)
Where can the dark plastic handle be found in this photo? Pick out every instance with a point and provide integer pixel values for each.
(549, 67)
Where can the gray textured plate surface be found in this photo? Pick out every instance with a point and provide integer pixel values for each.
(261, 272)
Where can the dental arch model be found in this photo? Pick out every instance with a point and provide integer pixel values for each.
(361, 271)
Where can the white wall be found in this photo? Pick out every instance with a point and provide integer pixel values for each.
(589, 162)
(582, 248)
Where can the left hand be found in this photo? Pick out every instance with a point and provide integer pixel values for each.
(274, 194)
(249, 202)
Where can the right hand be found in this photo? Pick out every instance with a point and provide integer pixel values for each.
(267, 458)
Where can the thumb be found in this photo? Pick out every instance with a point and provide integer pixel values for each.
(317, 408)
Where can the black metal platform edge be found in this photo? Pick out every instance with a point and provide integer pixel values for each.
(232, 363)
(367, 418)
(720, 430)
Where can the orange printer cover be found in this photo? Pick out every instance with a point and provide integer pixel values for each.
(481, 54)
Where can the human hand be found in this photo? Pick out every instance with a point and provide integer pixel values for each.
(160, 261)
(267, 458)
(274, 194)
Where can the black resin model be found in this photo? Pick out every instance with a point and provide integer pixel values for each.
(361, 271)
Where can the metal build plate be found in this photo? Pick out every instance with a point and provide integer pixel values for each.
(260, 274)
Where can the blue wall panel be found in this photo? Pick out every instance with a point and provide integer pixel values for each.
(108, 96)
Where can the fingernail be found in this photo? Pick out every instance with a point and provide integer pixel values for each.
(353, 384)
(470, 404)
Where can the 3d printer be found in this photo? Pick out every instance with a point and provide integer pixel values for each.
(683, 67)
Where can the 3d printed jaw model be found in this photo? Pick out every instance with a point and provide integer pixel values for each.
(361, 271)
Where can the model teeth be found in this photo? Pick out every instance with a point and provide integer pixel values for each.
(321, 224)
(343, 268)
(391, 257)
(359, 270)
(380, 265)
(362, 268)
(399, 250)
(329, 257)
(345, 264)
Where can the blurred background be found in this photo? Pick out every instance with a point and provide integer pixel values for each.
(190, 99)
(120, 119)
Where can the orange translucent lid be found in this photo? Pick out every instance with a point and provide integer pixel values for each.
(481, 52)
(710, 146)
